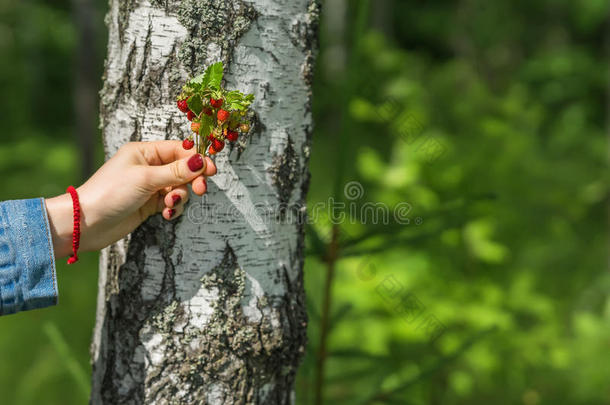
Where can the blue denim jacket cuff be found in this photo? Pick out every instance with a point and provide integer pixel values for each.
(27, 261)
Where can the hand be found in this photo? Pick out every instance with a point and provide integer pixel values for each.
(141, 179)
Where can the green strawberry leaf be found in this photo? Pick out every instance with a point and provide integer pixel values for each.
(210, 79)
(238, 101)
(232, 96)
(207, 125)
(195, 104)
(237, 106)
(197, 80)
(213, 76)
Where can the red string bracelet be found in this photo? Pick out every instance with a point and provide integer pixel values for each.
(76, 231)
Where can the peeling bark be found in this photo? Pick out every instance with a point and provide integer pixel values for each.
(209, 309)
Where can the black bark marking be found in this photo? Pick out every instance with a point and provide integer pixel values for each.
(136, 135)
(143, 83)
(256, 128)
(125, 9)
(270, 53)
(173, 129)
(172, 68)
(284, 175)
(304, 36)
(125, 86)
(146, 53)
(152, 76)
(114, 93)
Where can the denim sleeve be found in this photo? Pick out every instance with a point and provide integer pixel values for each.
(27, 262)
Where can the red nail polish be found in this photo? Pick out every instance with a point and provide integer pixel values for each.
(176, 198)
(171, 212)
(195, 163)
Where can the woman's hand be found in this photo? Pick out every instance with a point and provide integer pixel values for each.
(141, 179)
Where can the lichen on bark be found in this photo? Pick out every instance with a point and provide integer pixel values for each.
(212, 26)
(303, 35)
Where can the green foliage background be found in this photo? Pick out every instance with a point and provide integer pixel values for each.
(507, 243)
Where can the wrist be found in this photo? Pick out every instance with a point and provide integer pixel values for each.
(61, 220)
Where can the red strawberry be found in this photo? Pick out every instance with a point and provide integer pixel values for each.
(216, 103)
(217, 144)
(188, 144)
(223, 115)
(190, 115)
(183, 105)
(232, 135)
(195, 126)
(207, 111)
(212, 151)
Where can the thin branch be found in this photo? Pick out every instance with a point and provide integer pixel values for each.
(332, 256)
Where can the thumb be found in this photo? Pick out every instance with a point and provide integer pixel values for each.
(175, 173)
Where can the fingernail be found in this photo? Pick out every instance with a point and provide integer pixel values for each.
(195, 163)
(171, 212)
(176, 198)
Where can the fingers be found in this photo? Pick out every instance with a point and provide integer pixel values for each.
(175, 173)
(200, 186)
(170, 206)
(172, 213)
(210, 167)
(175, 197)
(178, 196)
(158, 153)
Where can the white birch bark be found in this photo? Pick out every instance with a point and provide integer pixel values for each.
(209, 309)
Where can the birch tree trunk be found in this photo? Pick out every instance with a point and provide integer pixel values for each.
(209, 308)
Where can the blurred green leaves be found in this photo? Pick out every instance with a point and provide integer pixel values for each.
(513, 233)
(41, 159)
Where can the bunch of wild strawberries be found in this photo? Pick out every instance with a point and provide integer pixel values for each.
(216, 115)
